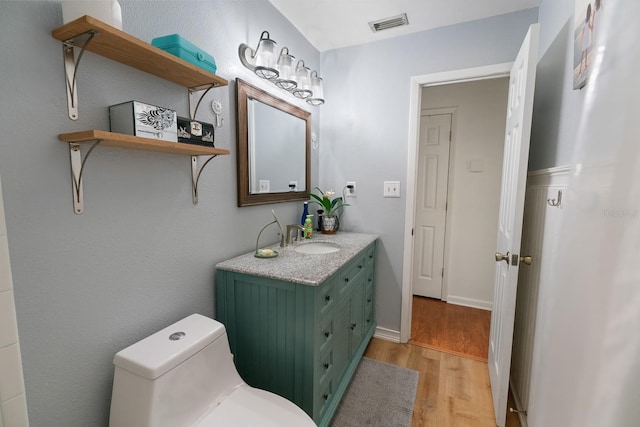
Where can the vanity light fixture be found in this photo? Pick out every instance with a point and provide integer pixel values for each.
(264, 56)
(303, 80)
(286, 72)
(300, 81)
(317, 97)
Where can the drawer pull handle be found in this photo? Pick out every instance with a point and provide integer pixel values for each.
(346, 280)
(370, 256)
(327, 334)
(325, 396)
(353, 326)
(368, 299)
(360, 266)
(326, 366)
(327, 298)
(369, 280)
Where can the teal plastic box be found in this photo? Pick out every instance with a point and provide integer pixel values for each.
(184, 49)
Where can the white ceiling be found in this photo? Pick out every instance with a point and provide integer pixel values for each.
(330, 24)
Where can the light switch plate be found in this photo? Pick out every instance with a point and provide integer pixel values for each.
(476, 165)
(391, 189)
(265, 186)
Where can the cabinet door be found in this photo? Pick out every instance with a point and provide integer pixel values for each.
(342, 343)
(368, 309)
(357, 316)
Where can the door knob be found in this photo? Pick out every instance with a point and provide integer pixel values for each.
(526, 259)
(502, 257)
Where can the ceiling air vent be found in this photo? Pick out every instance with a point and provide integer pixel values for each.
(385, 24)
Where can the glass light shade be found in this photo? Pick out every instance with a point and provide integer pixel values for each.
(286, 78)
(317, 96)
(266, 57)
(303, 78)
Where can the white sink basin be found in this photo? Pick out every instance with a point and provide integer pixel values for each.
(316, 248)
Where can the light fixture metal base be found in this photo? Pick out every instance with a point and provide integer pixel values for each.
(247, 56)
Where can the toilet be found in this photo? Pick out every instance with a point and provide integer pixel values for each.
(184, 376)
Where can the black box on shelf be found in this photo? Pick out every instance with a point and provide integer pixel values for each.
(195, 132)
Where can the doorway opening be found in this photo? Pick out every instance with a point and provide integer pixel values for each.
(423, 187)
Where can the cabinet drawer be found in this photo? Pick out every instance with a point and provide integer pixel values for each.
(368, 309)
(350, 275)
(324, 339)
(326, 298)
(324, 368)
(368, 284)
(370, 255)
(323, 399)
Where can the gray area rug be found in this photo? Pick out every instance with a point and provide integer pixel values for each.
(380, 395)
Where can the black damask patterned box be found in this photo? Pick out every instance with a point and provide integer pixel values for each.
(195, 132)
(144, 120)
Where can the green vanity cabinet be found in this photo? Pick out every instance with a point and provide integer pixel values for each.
(300, 341)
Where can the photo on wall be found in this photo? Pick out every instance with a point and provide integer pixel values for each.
(587, 22)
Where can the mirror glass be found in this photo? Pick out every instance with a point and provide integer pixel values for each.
(273, 148)
(274, 136)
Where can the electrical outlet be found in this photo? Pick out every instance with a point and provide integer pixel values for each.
(293, 185)
(391, 189)
(351, 189)
(265, 186)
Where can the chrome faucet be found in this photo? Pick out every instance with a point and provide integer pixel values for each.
(296, 229)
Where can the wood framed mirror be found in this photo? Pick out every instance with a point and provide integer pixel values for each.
(274, 143)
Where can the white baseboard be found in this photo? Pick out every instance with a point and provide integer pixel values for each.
(387, 334)
(468, 302)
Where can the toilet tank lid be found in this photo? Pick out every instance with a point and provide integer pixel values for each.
(158, 353)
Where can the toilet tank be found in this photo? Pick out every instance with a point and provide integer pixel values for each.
(174, 376)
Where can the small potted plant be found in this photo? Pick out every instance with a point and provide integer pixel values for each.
(332, 210)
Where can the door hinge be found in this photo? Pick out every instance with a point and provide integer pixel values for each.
(443, 272)
(412, 231)
(450, 135)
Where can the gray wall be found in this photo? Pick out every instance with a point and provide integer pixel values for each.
(557, 107)
(141, 256)
(365, 122)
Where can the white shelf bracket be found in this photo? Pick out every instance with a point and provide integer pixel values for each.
(71, 68)
(77, 168)
(195, 176)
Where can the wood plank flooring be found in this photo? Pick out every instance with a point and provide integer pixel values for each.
(453, 391)
(463, 331)
(448, 347)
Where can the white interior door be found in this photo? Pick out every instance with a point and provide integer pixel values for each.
(431, 204)
(514, 175)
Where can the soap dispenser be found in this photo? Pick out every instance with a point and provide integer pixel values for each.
(305, 212)
(308, 227)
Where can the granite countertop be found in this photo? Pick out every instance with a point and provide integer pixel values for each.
(305, 269)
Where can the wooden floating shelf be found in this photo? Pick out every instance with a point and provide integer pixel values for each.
(126, 49)
(137, 143)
